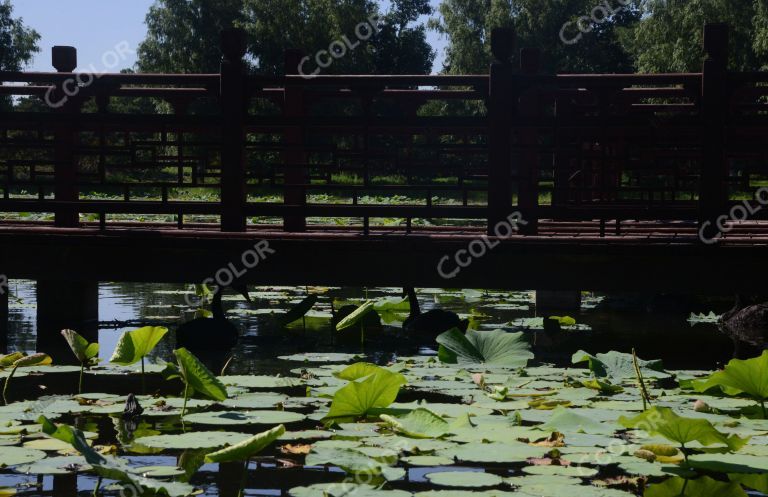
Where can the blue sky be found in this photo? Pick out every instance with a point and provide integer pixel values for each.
(96, 27)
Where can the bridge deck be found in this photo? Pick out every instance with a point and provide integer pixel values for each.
(563, 255)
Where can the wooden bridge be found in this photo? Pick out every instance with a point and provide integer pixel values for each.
(621, 179)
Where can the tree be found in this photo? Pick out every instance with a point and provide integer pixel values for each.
(669, 39)
(550, 26)
(183, 36)
(18, 44)
(391, 42)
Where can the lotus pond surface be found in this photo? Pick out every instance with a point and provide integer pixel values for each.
(506, 408)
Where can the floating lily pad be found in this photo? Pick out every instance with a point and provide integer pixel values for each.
(194, 440)
(55, 466)
(228, 418)
(464, 479)
(260, 382)
(13, 456)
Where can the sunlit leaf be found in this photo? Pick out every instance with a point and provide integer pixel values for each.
(83, 350)
(198, 377)
(247, 448)
(663, 421)
(495, 347)
(135, 345)
(355, 316)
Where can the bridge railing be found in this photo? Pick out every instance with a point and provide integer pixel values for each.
(231, 151)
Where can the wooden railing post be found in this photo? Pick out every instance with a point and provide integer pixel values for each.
(234, 106)
(64, 59)
(713, 194)
(294, 155)
(528, 165)
(502, 107)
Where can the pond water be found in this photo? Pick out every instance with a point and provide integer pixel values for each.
(549, 429)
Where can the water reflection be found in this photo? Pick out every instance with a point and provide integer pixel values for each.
(618, 322)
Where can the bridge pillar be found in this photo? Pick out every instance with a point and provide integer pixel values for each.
(557, 302)
(63, 304)
(4, 317)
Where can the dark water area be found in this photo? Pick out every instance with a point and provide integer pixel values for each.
(656, 326)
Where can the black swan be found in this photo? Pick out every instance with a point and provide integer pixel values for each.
(432, 322)
(211, 334)
(746, 324)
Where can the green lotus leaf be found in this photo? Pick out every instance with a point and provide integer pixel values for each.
(298, 311)
(38, 359)
(357, 371)
(700, 487)
(564, 420)
(232, 418)
(350, 460)
(663, 421)
(757, 482)
(247, 448)
(357, 398)
(346, 489)
(618, 365)
(465, 479)
(730, 463)
(355, 316)
(198, 377)
(83, 350)
(748, 377)
(56, 466)
(8, 359)
(496, 348)
(419, 423)
(14, 456)
(495, 452)
(135, 345)
(192, 440)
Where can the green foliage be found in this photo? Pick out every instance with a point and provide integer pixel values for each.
(82, 350)
(183, 35)
(356, 316)
(376, 390)
(663, 421)
(112, 468)
(39, 359)
(496, 348)
(247, 448)
(748, 377)
(298, 311)
(670, 37)
(419, 423)
(468, 25)
(86, 353)
(197, 377)
(700, 487)
(18, 44)
(134, 345)
(618, 365)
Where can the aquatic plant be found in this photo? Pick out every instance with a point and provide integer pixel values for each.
(663, 421)
(195, 376)
(370, 387)
(38, 359)
(86, 353)
(298, 311)
(741, 377)
(496, 348)
(134, 346)
(356, 317)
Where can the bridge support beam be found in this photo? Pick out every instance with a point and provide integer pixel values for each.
(4, 318)
(557, 302)
(63, 304)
